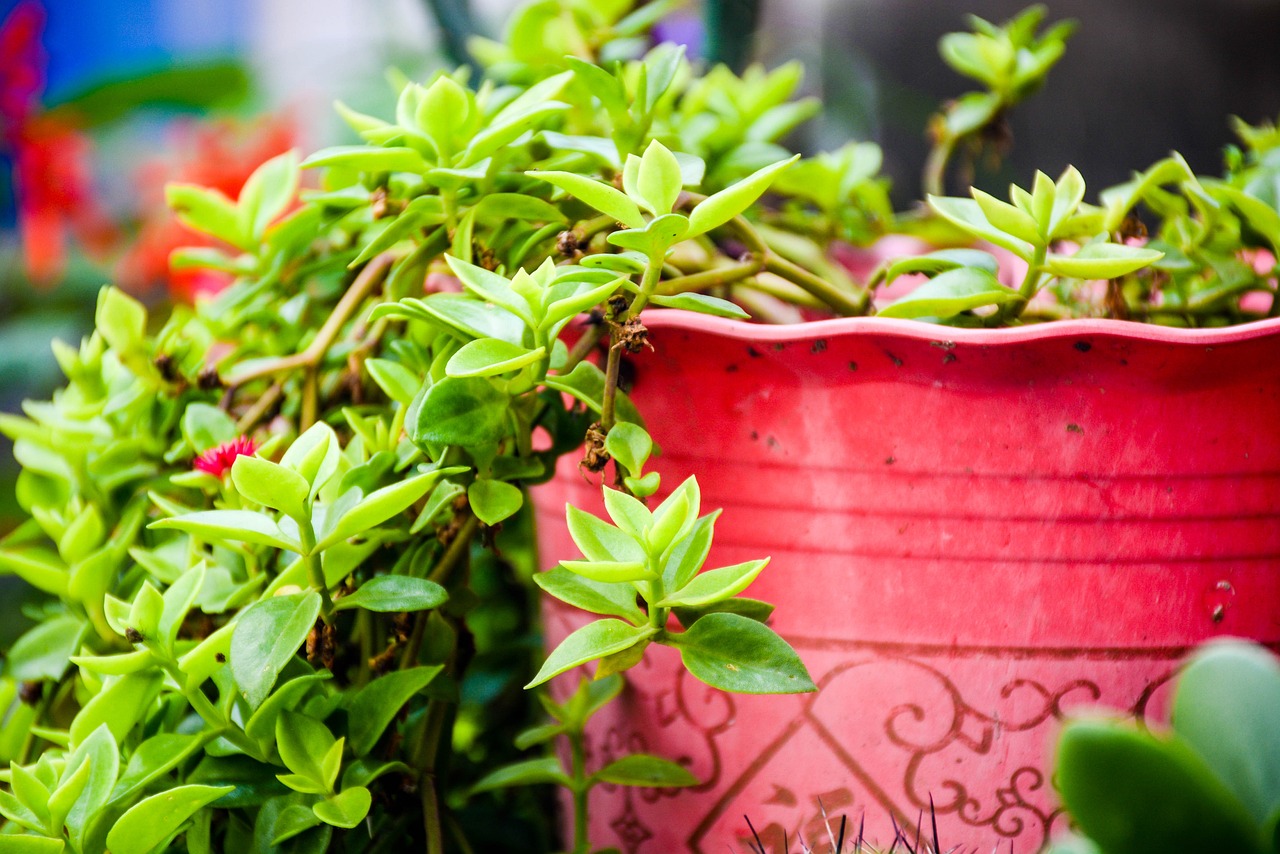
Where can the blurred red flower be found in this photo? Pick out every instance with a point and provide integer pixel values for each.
(220, 155)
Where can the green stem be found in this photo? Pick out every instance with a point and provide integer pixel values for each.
(816, 287)
(310, 358)
(648, 284)
(715, 277)
(612, 369)
(583, 348)
(440, 574)
(424, 762)
(581, 791)
(1027, 290)
(315, 570)
(935, 168)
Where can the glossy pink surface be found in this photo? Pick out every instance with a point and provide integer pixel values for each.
(972, 532)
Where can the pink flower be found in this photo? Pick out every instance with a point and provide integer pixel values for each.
(217, 461)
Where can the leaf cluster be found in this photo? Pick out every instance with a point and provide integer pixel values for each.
(1212, 782)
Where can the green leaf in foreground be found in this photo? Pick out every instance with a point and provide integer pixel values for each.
(266, 637)
(378, 702)
(592, 641)
(462, 411)
(394, 593)
(150, 823)
(346, 809)
(735, 653)
(640, 769)
(1133, 793)
(1102, 261)
(950, 293)
(529, 773)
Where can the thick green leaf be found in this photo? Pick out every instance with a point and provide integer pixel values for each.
(1067, 195)
(368, 158)
(314, 455)
(640, 769)
(658, 180)
(43, 652)
(120, 705)
(382, 504)
(562, 310)
(377, 703)
(100, 755)
(1102, 261)
(615, 600)
(494, 500)
(489, 357)
(394, 594)
(700, 304)
(670, 520)
(592, 641)
(267, 193)
(630, 445)
(966, 214)
(150, 823)
(266, 637)
(121, 320)
(491, 287)
(532, 772)
(262, 724)
(271, 485)
(950, 293)
(941, 261)
(346, 809)
(627, 513)
(502, 132)
(398, 382)
(608, 572)
(734, 653)
(1133, 793)
(223, 526)
(156, 756)
(752, 609)
(599, 195)
(1008, 218)
(15, 844)
(40, 568)
(496, 208)
(723, 206)
(210, 212)
(461, 313)
(685, 557)
(467, 411)
(1225, 707)
(715, 584)
(600, 541)
(654, 239)
(303, 743)
(292, 820)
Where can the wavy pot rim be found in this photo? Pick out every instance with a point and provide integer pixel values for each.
(748, 332)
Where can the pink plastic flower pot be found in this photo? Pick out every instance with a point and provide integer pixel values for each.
(973, 532)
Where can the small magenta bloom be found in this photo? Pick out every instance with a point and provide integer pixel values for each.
(217, 461)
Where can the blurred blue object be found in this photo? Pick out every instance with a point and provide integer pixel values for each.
(89, 41)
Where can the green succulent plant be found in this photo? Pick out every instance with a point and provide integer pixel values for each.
(1211, 782)
(260, 521)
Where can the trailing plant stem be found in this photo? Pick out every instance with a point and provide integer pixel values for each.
(581, 791)
(315, 570)
(309, 359)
